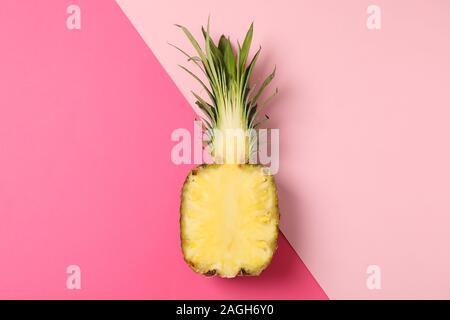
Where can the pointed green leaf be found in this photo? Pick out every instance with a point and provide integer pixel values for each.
(214, 73)
(244, 50)
(190, 58)
(222, 43)
(217, 54)
(247, 73)
(229, 60)
(205, 106)
(258, 109)
(193, 42)
(208, 117)
(211, 96)
(263, 86)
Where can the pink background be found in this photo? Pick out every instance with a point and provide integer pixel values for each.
(85, 170)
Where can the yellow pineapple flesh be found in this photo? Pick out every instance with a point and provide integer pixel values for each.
(229, 219)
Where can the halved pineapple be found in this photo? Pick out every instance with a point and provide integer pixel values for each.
(229, 210)
(229, 219)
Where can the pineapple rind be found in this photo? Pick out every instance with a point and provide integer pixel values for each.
(210, 255)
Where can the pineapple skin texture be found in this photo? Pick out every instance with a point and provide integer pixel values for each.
(229, 219)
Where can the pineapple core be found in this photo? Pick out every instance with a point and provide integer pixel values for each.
(229, 219)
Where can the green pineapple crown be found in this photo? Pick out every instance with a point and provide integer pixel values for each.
(230, 113)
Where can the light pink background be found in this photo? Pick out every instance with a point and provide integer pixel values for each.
(364, 121)
(85, 171)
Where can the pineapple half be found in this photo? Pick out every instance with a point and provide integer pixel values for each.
(229, 209)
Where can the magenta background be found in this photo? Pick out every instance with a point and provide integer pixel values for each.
(85, 170)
